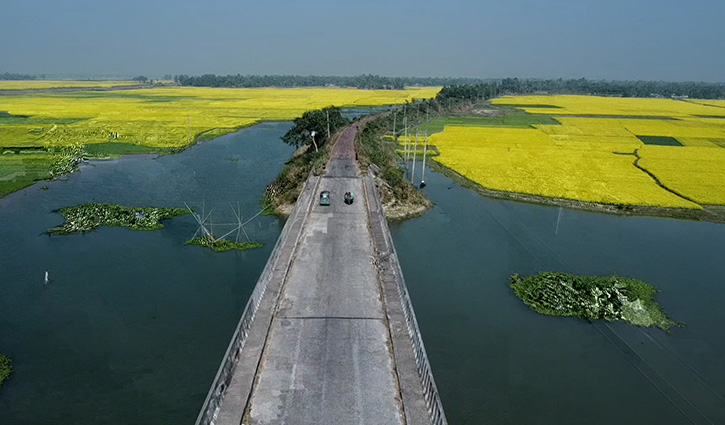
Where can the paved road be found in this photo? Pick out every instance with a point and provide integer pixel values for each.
(327, 357)
(329, 335)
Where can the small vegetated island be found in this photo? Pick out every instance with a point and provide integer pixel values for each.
(88, 217)
(221, 245)
(5, 368)
(592, 298)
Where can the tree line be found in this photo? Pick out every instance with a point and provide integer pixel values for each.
(16, 77)
(487, 90)
(473, 88)
(366, 81)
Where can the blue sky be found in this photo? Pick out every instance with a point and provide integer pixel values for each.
(612, 39)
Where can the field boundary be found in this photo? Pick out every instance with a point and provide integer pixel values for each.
(657, 180)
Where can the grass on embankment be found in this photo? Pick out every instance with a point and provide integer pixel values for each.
(282, 193)
(592, 298)
(399, 197)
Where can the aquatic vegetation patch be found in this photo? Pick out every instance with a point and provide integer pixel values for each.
(221, 245)
(87, 217)
(592, 298)
(6, 368)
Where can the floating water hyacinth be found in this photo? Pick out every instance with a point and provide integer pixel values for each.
(221, 245)
(88, 217)
(592, 298)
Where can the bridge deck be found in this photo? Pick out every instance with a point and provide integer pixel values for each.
(322, 348)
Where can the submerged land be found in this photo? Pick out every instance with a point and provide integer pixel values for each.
(592, 298)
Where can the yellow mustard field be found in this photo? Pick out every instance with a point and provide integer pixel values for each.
(694, 172)
(591, 156)
(166, 117)
(611, 106)
(527, 161)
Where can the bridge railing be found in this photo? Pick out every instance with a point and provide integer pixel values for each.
(430, 391)
(223, 377)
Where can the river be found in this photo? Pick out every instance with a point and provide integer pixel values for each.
(496, 361)
(133, 325)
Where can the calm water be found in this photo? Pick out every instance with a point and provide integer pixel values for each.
(498, 362)
(133, 326)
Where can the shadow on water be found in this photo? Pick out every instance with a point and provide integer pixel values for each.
(133, 325)
(498, 362)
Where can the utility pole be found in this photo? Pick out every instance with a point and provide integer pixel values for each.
(415, 150)
(188, 126)
(327, 111)
(312, 134)
(405, 140)
(394, 116)
(425, 150)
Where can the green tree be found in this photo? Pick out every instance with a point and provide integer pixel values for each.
(315, 127)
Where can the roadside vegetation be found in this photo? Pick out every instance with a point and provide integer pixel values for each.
(312, 137)
(88, 217)
(399, 197)
(592, 298)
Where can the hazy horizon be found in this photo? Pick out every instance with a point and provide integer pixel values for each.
(661, 40)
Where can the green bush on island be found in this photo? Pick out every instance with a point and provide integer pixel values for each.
(5, 368)
(221, 245)
(87, 217)
(591, 298)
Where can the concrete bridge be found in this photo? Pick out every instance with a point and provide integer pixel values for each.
(329, 335)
